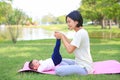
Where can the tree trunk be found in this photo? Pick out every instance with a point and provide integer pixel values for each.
(119, 23)
(102, 23)
(110, 23)
(14, 33)
(105, 24)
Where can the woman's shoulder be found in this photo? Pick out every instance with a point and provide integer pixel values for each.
(82, 31)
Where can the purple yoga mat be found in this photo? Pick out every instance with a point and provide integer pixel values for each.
(101, 67)
(106, 67)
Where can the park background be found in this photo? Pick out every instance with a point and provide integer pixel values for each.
(23, 38)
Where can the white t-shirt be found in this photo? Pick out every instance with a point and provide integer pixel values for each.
(46, 65)
(82, 52)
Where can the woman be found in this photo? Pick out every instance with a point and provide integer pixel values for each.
(79, 45)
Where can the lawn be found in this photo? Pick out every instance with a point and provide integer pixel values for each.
(90, 28)
(13, 56)
(94, 31)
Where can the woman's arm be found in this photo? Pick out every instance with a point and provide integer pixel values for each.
(70, 48)
(66, 39)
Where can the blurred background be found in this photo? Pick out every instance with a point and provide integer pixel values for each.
(27, 32)
(38, 19)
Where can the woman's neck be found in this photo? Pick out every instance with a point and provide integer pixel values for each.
(78, 28)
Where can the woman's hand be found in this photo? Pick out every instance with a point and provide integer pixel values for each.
(58, 35)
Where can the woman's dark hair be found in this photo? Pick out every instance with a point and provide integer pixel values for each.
(76, 16)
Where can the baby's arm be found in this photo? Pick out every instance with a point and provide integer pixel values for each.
(40, 68)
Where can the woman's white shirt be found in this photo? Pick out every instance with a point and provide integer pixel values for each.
(82, 52)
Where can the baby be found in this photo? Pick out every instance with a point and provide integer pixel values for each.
(50, 63)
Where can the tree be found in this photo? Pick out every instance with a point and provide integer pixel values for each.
(61, 19)
(5, 9)
(15, 18)
(100, 10)
(88, 9)
(48, 19)
(11, 16)
(111, 10)
(92, 9)
(116, 11)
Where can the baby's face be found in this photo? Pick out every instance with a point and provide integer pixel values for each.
(36, 64)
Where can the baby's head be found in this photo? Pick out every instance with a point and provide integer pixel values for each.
(34, 64)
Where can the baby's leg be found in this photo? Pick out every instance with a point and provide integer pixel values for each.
(56, 56)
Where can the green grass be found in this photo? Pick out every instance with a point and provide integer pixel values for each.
(13, 56)
(97, 28)
(94, 31)
(90, 28)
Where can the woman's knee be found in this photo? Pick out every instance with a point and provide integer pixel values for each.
(68, 70)
(59, 71)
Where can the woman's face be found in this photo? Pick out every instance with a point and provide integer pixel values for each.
(71, 23)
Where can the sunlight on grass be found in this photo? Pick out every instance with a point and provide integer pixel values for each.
(8, 49)
(109, 52)
(117, 42)
(105, 42)
(28, 48)
(13, 48)
(19, 55)
(111, 42)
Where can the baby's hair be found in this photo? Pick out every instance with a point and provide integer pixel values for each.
(31, 64)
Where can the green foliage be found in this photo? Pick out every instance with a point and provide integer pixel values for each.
(17, 17)
(51, 19)
(5, 9)
(100, 10)
(97, 9)
(48, 19)
(61, 19)
(13, 56)
(11, 16)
